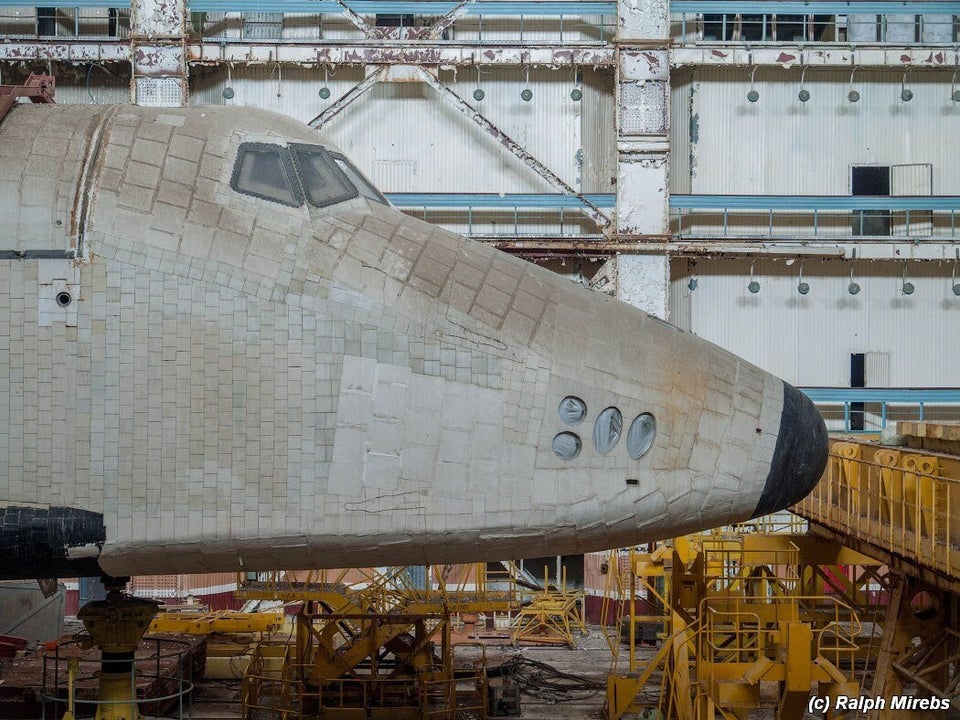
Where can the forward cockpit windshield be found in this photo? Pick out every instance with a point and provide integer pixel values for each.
(298, 173)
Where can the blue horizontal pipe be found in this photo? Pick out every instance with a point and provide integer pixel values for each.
(493, 200)
(903, 396)
(682, 202)
(814, 8)
(815, 202)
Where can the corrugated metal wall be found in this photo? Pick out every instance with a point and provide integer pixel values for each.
(408, 139)
(781, 146)
(807, 340)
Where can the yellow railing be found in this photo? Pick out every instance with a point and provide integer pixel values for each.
(899, 500)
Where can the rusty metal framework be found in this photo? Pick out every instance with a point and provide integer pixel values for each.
(348, 663)
(38, 88)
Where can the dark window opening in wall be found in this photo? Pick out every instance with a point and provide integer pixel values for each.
(769, 28)
(857, 377)
(719, 27)
(754, 28)
(870, 180)
(791, 27)
(395, 21)
(112, 22)
(46, 21)
(823, 28)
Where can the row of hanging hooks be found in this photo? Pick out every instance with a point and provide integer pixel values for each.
(906, 94)
(853, 287)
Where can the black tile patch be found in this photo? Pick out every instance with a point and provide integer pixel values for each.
(36, 542)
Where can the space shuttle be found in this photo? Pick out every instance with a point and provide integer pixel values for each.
(222, 349)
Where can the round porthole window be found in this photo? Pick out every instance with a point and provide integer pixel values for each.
(64, 298)
(641, 434)
(607, 429)
(572, 410)
(566, 445)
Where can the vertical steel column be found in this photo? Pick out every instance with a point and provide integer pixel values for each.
(158, 53)
(643, 117)
(643, 149)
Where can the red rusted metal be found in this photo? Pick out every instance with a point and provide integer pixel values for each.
(39, 88)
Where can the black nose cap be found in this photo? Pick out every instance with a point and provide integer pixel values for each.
(800, 455)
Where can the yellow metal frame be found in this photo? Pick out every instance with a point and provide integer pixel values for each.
(734, 617)
(218, 622)
(903, 504)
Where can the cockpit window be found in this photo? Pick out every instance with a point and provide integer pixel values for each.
(365, 187)
(324, 183)
(265, 171)
(288, 175)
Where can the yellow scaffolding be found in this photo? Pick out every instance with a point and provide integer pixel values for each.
(735, 621)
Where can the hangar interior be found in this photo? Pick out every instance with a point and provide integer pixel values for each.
(779, 178)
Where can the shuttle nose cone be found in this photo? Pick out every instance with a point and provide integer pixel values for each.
(800, 455)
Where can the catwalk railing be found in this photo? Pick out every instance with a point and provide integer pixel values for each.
(870, 410)
(899, 500)
(693, 22)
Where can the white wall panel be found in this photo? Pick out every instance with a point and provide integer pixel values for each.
(408, 124)
(807, 340)
(780, 145)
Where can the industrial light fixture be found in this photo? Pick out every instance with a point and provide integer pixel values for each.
(906, 94)
(692, 284)
(853, 288)
(324, 91)
(802, 287)
(853, 96)
(804, 94)
(754, 286)
(577, 94)
(228, 90)
(478, 94)
(906, 287)
(527, 94)
(753, 95)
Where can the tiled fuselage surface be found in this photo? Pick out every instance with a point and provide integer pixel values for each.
(220, 381)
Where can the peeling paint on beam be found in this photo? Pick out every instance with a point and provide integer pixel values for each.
(70, 52)
(788, 56)
(384, 53)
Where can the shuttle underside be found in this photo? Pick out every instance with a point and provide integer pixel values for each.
(220, 350)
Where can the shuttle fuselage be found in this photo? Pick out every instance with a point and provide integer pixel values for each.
(221, 349)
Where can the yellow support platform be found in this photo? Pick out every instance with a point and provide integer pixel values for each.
(218, 622)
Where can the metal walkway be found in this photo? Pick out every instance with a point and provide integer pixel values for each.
(898, 504)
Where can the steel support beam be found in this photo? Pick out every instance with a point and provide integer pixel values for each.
(399, 53)
(592, 211)
(352, 94)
